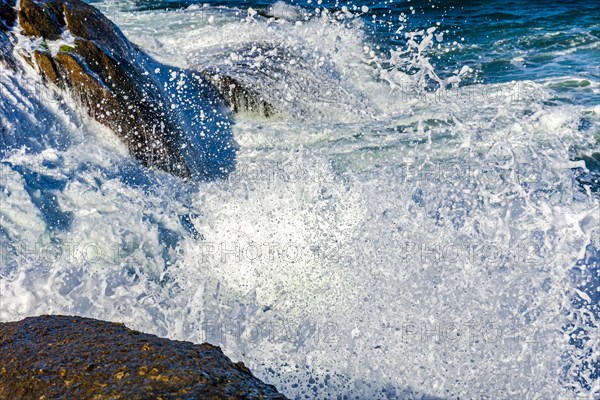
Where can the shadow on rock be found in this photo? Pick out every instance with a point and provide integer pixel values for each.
(169, 118)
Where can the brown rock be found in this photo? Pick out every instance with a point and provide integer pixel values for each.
(41, 19)
(115, 83)
(46, 65)
(85, 358)
(88, 23)
(239, 97)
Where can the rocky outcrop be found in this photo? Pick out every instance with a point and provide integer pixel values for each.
(239, 97)
(60, 357)
(169, 118)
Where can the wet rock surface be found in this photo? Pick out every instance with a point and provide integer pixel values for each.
(62, 357)
(240, 98)
(169, 118)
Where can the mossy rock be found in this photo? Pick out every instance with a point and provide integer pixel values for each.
(65, 48)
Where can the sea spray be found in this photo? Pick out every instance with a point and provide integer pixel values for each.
(438, 244)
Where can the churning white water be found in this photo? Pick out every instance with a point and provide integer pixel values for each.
(375, 241)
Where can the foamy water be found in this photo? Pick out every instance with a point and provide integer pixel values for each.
(375, 240)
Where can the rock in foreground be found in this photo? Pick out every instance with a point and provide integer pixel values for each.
(61, 357)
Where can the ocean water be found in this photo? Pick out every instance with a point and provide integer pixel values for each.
(421, 219)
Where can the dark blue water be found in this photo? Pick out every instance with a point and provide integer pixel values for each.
(501, 41)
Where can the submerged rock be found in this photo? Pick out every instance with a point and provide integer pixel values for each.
(239, 97)
(169, 118)
(61, 357)
(275, 79)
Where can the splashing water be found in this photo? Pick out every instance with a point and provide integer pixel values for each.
(392, 234)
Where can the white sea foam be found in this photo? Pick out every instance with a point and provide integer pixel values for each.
(426, 248)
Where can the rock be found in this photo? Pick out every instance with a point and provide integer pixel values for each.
(61, 357)
(44, 61)
(41, 19)
(275, 79)
(240, 98)
(179, 124)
